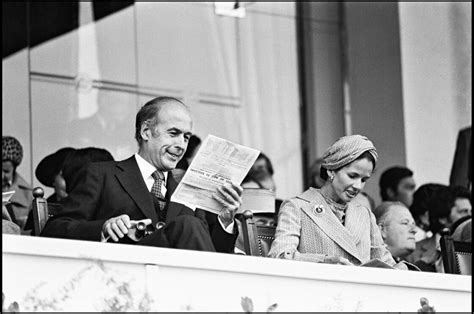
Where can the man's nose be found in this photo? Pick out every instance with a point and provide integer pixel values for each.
(181, 142)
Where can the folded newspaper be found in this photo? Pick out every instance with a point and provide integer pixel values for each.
(217, 161)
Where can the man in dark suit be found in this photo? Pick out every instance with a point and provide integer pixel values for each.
(108, 199)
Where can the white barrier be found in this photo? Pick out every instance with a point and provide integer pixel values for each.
(43, 274)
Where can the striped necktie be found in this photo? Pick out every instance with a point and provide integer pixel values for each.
(156, 188)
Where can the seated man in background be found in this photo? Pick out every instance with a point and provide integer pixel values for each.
(397, 227)
(397, 184)
(20, 203)
(462, 204)
(260, 176)
(108, 199)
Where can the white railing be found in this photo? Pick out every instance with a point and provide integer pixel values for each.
(43, 274)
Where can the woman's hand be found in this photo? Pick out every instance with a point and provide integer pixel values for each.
(336, 260)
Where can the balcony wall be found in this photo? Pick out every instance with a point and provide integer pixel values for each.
(44, 274)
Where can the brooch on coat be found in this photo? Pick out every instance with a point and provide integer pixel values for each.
(319, 209)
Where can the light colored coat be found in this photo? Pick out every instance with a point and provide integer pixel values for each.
(308, 230)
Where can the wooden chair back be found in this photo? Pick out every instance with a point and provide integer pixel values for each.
(457, 256)
(42, 211)
(257, 238)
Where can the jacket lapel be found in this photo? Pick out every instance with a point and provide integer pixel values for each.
(132, 181)
(320, 212)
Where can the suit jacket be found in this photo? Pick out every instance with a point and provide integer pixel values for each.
(308, 230)
(108, 189)
(461, 169)
(427, 255)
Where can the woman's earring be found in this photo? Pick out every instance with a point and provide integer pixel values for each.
(331, 178)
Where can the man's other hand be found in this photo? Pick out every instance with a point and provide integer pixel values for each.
(229, 196)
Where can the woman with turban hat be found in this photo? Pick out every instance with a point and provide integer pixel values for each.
(323, 225)
(20, 202)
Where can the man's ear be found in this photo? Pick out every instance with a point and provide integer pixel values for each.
(382, 231)
(391, 193)
(145, 131)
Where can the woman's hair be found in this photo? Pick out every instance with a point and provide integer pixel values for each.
(324, 172)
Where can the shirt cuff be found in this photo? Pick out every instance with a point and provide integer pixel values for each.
(230, 227)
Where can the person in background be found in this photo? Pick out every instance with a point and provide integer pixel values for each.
(108, 199)
(260, 176)
(323, 225)
(440, 202)
(191, 151)
(461, 170)
(462, 204)
(71, 161)
(316, 181)
(397, 184)
(8, 226)
(20, 203)
(397, 227)
(420, 209)
(193, 146)
(461, 230)
(76, 160)
(49, 173)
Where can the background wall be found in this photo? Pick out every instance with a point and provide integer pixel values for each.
(375, 82)
(437, 77)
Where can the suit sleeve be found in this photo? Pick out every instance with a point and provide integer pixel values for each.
(287, 236)
(223, 241)
(460, 169)
(77, 217)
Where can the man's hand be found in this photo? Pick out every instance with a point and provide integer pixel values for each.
(229, 196)
(117, 227)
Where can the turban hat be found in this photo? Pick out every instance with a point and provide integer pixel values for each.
(11, 150)
(347, 149)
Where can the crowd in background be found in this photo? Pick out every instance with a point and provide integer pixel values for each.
(404, 230)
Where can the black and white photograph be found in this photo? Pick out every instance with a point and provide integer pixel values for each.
(236, 156)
